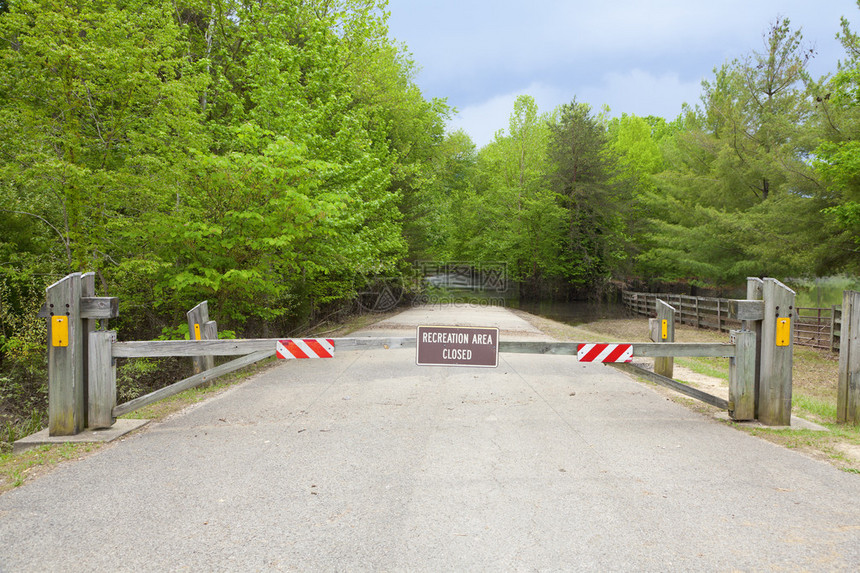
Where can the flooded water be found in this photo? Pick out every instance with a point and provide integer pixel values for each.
(822, 292)
(573, 313)
(464, 283)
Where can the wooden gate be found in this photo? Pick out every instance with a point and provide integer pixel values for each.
(82, 371)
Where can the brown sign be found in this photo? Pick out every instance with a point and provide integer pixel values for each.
(458, 346)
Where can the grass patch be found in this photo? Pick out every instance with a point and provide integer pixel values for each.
(823, 410)
(713, 367)
(840, 445)
(15, 469)
(13, 431)
(177, 402)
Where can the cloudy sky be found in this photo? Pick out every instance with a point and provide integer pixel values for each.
(644, 57)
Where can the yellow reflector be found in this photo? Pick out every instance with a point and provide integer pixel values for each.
(59, 331)
(783, 331)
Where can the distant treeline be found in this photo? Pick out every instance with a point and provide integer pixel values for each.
(762, 178)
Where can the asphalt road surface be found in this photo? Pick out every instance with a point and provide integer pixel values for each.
(369, 462)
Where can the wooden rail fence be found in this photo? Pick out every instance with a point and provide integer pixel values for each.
(813, 327)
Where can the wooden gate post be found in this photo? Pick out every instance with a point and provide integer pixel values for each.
(742, 376)
(663, 330)
(102, 379)
(88, 325)
(71, 311)
(755, 291)
(777, 344)
(201, 328)
(66, 393)
(848, 392)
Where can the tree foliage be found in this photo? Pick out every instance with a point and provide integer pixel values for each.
(264, 156)
(837, 102)
(546, 200)
(739, 195)
(760, 179)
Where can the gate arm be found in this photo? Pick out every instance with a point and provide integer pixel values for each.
(537, 347)
(371, 342)
(246, 346)
(649, 349)
(688, 349)
(99, 307)
(238, 347)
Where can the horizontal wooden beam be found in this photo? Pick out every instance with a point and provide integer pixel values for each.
(746, 309)
(191, 382)
(246, 346)
(684, 349)
(97, 307)
(239, 347)
(674, 385)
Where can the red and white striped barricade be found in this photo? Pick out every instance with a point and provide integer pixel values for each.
(604, 352)
(293, 348)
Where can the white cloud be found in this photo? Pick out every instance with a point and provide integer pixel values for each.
(634, 92)
(638, 57)
(481, 121)
(642, 93)
(501, 37)
(471, 50)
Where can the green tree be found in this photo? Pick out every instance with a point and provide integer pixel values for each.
(439, 223)
(584, 176)
(515, 216)
(98, 111)
(739, 196)
(318, 142)
(837, 102)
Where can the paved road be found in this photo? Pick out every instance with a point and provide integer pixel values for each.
(368, 462)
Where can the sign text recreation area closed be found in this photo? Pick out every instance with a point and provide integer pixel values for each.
(458, 346)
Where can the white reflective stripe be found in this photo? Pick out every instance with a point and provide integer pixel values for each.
(281, 351)
(324, 342)
(586, 348)
(305, 348)
(583, 350)
(610, 348)
(302, 345)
